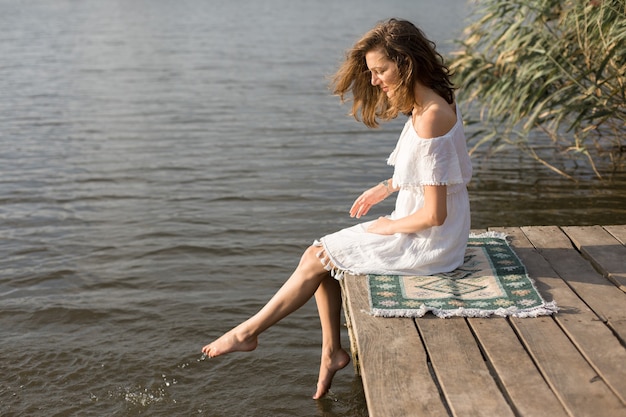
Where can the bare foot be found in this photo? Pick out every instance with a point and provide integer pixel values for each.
(329, 365)
(229, 342)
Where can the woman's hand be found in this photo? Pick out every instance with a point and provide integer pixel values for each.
(381, 226)
(369, 198)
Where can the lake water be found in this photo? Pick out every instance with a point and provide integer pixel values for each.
(163, 164)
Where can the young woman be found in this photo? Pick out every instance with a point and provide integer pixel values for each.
(393, 69)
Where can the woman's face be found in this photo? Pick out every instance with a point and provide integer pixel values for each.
(384, 71)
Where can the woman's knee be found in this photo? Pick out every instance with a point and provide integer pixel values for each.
(311, 258)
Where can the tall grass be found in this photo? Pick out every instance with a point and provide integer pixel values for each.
(554, 66)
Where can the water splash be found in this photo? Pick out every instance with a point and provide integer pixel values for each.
(144, 397)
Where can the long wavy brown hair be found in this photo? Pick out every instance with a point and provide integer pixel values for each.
(417, 60)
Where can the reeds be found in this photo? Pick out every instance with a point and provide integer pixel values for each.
(553, 66)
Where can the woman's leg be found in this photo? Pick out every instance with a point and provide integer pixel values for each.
(296, 291)
(334, 358)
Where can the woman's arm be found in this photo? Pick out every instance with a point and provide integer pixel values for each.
(372, 197)
(433, 213)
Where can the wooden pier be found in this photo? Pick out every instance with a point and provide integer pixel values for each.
(570, 364)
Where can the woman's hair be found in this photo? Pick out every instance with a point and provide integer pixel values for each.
(417, 61)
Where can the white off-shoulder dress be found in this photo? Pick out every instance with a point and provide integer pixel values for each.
(417, 162)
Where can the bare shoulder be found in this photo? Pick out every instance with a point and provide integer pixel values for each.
(436, 120)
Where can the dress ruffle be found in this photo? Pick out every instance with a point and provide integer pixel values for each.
(420, 162)
(327, 263)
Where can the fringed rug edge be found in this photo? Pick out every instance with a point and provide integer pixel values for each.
(544, 309)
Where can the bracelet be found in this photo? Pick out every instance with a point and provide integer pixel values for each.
(386, 184)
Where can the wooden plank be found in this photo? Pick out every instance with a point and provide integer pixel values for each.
(459, 366)
(606, 253)
(521, 380)
(604, 298)
(575, 382)
(572, 379)
(351, 332)
(393, 362)
(598, 344)
(618, 232)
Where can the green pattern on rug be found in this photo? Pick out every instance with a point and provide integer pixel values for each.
(492, 281)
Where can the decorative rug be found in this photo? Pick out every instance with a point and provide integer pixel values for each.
(491, 281)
